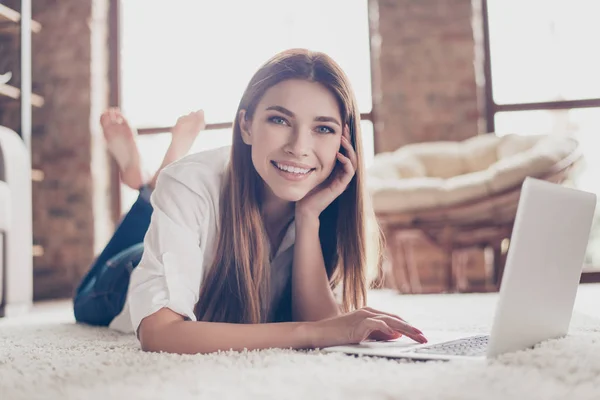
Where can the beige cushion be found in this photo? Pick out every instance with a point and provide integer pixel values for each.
(434, 174)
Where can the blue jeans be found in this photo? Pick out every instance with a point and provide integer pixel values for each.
(101, 294)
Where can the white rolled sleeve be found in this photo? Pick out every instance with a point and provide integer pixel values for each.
(171, 269)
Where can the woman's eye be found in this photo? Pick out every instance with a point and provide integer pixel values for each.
(324, 129)
(278, 120)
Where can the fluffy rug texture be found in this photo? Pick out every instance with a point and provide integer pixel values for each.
(44, 355)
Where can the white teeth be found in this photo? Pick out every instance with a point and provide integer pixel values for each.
(294, 170)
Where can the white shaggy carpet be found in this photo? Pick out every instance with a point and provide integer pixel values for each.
(44, 355)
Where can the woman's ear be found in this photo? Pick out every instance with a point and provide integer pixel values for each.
(245, 127)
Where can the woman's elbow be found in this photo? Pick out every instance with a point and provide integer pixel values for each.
(148, 343)
(153, 330)
(147, 347)
(150, 339)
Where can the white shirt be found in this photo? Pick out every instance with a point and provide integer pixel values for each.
(181, 241)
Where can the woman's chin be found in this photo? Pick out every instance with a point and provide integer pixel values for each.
(291, 197)
(290, 194)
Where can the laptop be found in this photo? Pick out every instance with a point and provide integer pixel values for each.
(541, 277)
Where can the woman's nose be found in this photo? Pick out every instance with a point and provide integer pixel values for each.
(300, 142)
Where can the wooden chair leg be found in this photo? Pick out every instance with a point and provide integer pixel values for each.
(499, 263)
(470, 269)
(401, 266)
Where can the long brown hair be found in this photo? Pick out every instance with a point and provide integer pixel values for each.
(236, 288)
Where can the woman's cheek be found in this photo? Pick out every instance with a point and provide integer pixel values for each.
(274, 134)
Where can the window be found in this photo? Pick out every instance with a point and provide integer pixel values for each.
(544, 50)
(201, 54)
(543, 78)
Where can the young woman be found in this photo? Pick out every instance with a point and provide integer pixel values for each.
(247, 244)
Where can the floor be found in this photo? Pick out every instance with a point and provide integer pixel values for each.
(45, 355)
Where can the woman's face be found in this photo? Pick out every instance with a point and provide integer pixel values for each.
(295, 135)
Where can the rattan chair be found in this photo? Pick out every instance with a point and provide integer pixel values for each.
(432, 248)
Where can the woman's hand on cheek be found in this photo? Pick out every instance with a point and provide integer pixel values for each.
(320, 197)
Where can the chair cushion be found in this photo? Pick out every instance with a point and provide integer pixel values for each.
(434, 174)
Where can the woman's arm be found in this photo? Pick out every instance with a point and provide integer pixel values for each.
(167, 331)
(312, 298)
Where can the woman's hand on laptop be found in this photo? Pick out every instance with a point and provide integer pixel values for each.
(361, 325)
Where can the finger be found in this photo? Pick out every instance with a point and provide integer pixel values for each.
(346, 162)
(346, 132)
(379, 312)
(351, 152)
(369, 326)
(403, 327)
(345, 179)
(372, 313)
(383, 337)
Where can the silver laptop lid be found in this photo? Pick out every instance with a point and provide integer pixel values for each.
(543, 266)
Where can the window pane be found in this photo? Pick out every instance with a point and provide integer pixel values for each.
(201, 54)
(583, 125)
(544, 50)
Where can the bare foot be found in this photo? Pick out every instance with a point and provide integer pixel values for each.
(120, 139)
(183, 134)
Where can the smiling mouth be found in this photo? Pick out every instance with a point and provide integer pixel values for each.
(292, 170)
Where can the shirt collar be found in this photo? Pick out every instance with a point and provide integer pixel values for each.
(288, 240)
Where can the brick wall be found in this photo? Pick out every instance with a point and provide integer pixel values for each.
(427, 70)
(71, 209)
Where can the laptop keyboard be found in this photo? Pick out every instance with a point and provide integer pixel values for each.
(471, 346)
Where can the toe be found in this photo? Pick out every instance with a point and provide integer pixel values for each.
(105, 118)
(113, 116)
(119, 118)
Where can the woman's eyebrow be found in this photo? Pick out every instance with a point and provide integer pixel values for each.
(282, 110)
(328, 119)
(287, 112)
